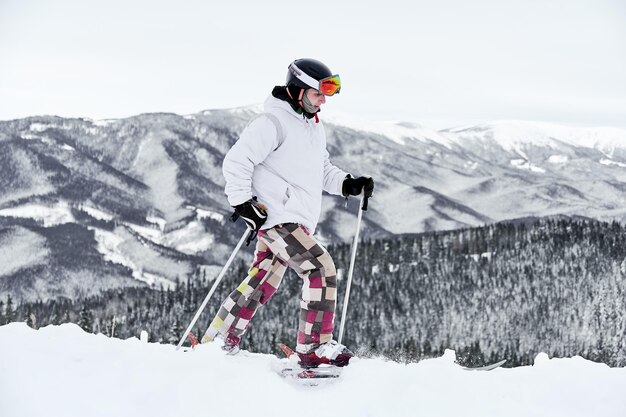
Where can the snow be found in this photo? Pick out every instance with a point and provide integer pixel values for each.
(42, 127)
(149, 233)
(111, 246)
(152, 157)
(21, 249)
(108, 246)
(159, 221)
(512, 135)
(39, 127)
(471, 165)
(153, 279)
(558, 159)
(103, 122)
(190, 239)
(44, 139)
(477, 257)
(208, 214)
(49, 215)
(73, 373)
(29, 136)
(96, 213)
(605, 161)
(526, 165)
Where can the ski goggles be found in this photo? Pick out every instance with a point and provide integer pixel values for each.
(328, 86)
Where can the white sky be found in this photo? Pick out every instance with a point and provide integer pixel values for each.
(438, 62)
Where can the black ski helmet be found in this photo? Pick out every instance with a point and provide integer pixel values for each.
(311, 67)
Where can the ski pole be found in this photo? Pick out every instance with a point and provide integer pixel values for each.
(362, 208)
(215, 284)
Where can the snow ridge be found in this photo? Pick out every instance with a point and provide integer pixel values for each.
(105, 376)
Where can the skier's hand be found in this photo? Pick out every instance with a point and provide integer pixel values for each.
(252, 212)
(354, 186)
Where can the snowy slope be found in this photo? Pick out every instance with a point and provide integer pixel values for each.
(62, 371)
(513, 135)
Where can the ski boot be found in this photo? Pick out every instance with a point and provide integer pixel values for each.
(330, 353)
(231, 344)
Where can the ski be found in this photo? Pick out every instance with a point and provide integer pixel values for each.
(326, 372)
(489, 367)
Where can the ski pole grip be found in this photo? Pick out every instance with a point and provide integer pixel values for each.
(364, 206)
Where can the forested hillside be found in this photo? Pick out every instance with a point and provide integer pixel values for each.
(508, 290)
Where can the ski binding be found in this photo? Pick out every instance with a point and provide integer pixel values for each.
(289, 368)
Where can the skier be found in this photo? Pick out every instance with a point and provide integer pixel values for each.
(275, 174)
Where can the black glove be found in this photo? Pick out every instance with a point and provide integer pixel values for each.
(253, 213)
(354, 186)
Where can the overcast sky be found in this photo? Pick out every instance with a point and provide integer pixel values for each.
(439, 62)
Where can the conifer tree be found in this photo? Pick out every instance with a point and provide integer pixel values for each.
(9, 311)
(85, 319)
(31, 321)
(176, 331)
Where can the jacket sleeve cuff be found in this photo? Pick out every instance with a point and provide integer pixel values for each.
(238, 199)
(340, 190)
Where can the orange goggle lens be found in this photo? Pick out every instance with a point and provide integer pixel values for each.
(330, 85)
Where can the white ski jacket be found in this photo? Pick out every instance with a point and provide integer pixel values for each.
(286, 165)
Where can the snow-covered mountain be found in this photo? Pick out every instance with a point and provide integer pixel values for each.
(146, 192)
(73, 373)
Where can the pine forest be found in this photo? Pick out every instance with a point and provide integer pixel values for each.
(502, 291)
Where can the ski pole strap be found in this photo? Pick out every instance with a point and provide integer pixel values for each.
(364, 206)
(251, 236)
(364, 201)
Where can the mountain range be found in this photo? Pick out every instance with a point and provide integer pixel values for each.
(89, 205)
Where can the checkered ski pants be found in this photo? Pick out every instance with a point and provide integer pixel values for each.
(287, 245)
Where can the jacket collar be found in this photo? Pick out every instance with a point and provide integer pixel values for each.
(281, 93)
